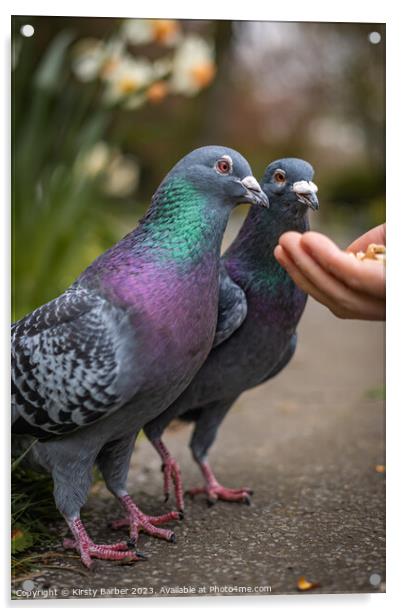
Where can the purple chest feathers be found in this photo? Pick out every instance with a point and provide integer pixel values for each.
(173, 313)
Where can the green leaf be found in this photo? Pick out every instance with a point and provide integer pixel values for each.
(21, 540)
(48, 74)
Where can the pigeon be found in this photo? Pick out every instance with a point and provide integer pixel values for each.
(95, 364)
(262, 306)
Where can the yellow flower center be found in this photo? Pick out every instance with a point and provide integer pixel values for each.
(127, 85)
(203, 73)
(157, 92)
(164, 30)
(109, 66)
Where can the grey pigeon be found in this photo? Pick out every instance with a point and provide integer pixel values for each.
(256, 292)
(92, 366)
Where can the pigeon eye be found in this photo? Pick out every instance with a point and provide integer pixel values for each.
(224, 165)
(279, 176)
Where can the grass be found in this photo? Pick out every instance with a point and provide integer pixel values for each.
(32, 512)
(32, 509)
(376, 393)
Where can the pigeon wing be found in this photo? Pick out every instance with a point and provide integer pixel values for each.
(67, 358)
(232, 307)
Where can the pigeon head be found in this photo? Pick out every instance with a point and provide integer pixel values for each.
(289, 185)
(221, 174)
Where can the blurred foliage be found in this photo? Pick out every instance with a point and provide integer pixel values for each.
(376, 393)
(70, 176)
(102, 108)
(53, 209)
(32, 508)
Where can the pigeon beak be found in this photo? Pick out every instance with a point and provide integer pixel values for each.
(306, 192)
(253, 192)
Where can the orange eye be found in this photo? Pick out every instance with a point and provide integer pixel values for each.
(279, 176)
(224, 166)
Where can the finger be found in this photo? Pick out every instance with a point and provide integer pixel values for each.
(319, 277)
(349, 304)
(367, 276)
(374, 236)
(298, 277)
(290, 238)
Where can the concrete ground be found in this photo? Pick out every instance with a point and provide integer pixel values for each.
(309, 443)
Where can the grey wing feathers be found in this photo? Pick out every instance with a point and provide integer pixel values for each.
(66, 357)
(232, 307)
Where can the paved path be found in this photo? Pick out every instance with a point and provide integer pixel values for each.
(308, 444)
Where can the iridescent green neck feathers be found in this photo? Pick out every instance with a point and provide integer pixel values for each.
(177, 225)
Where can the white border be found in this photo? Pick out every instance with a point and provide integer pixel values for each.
(291, 10)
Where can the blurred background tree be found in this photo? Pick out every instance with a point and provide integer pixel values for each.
(102, 108)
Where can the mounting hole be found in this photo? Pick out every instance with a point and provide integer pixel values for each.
(27, 30)
(375, 579)
(374, 38)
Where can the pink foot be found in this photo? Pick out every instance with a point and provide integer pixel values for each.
(171, 473)
(87, 549)
(138, 521)
(218, 492)
(215, 491)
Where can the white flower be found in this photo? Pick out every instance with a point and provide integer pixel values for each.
(162, 67)
(129, 77)
(122, 176)
(143, 31)
(193, 66)
(94, 161)
(113, 56)
(87, 59)
(93, 58)
(137, 31)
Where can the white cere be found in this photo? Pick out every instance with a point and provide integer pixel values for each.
(303, 187)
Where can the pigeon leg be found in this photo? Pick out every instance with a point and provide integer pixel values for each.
(208, 420)
(171, 472)
(215, 491)
(87, 549)
(139, 521)
(113, 462)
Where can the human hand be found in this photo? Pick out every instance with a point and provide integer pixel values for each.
(350, 288)
(377, 235)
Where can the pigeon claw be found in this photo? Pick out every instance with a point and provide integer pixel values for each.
(87, 551)
(137, 521)
(173, 538)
